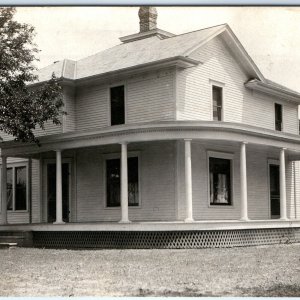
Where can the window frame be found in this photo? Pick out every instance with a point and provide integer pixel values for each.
(220, 85)
(14, 166)
(282, 113)
(118, 156)
(221, 155)
(109, 102)
(270, 161)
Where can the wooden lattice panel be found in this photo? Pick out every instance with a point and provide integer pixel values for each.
(164, 239)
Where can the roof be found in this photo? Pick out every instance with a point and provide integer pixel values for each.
(128, 55)
(155, 49)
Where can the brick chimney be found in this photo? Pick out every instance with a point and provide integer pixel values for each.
(148, 17)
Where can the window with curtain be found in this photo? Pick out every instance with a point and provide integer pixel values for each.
(17, 188)
(220, 181)
(113, 182)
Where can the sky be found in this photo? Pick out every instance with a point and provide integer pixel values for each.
(270, 35)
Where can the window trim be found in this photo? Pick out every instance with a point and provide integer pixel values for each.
(222, 86)
(282, 118)
(122, 83)
(114, 156)
(222, 155)
(13, 166)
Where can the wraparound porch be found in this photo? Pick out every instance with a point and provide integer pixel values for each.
(184, 146)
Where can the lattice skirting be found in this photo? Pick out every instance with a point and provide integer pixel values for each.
(164, 239)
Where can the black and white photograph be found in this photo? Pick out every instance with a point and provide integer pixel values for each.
(149, 151)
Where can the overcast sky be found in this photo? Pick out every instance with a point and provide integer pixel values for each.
(269, 34)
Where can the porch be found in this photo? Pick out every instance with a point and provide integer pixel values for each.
(174, 180)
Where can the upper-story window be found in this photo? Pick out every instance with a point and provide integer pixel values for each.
(217, 94)
(278, 117)
(117, 105)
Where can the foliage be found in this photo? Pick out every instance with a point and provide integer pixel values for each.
(24, 104)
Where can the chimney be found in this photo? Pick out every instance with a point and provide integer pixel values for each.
(148, 16)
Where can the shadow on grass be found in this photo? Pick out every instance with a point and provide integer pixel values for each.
(279, 290)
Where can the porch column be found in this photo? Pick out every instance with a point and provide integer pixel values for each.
(59, 207)
(4, 191)
(124, 184)
(243, 179)
(283, 215)
(188, 181)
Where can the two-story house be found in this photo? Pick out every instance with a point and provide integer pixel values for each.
(169, 140)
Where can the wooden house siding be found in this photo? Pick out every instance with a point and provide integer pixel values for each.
(296, 208)
(257, 181)
(151, 97)
(36, 200)
(240, 104)
(157, 184)
(91, 107)
(148, 97)
(69, 122)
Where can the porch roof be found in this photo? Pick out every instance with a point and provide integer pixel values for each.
(158, 131)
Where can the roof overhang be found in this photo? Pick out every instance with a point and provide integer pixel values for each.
(272, 90)
(177, 61)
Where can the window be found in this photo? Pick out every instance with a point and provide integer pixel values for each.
(278, 117)
(117, 105)
(217, 93)
(17, 188)
(113, 182)
(220, 181)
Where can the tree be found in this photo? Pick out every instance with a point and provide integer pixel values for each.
(23, 104)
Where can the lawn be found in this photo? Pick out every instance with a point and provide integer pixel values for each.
(249, 271)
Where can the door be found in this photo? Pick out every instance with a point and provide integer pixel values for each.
(51, 191)
(274, 191)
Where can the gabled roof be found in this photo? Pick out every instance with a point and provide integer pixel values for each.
(154, 50)
(132, 54)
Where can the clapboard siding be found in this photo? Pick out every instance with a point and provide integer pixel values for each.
(91, 107)
(151, 98)
(257, 179)
(36, 190)
(200, 185)
(240, 104)
(297, 189)
(69, 108)
(157, 185)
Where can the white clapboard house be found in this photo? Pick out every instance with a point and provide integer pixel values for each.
(177, 136)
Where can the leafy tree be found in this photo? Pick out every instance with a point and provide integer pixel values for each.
(23, 104)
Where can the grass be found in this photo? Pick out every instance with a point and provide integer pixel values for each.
(250, 271)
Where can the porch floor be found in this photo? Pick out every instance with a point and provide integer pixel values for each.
(155, 225)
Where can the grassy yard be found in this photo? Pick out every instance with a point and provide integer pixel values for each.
(252, 271)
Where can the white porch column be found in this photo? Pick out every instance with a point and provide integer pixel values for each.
(283, 215)
(188, 181)
(4, 190)
(124, 184)
(59, 207)
(243, 179)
